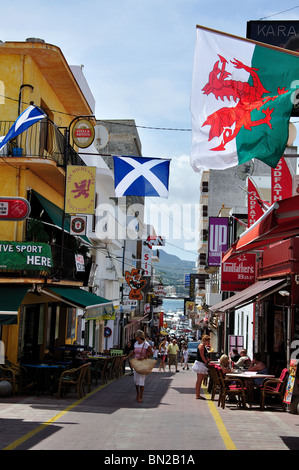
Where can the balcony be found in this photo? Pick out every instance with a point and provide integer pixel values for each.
(43, 149)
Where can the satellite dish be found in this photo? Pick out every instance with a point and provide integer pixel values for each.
(101, 136)
(244, 170)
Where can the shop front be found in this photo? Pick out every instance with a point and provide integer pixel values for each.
(43, 321)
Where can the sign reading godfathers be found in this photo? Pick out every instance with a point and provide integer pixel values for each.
(80, 189)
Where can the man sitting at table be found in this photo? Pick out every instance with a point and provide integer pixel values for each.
(244, 360)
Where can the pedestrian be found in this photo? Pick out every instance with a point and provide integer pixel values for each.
(185, 357)
(163, 353)
(142, 350)
(200, 365)
(172, 352)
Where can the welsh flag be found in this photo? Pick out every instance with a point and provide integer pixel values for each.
(242, 97)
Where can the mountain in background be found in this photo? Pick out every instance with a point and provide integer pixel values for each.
(171, 270)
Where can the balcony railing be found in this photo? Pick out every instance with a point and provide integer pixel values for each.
(43, 139)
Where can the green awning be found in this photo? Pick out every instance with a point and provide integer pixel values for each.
(79, 298)
(11, 297)
(56, 214)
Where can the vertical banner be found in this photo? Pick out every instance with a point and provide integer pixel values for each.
(281, 181)
(146, 260)
(218, 239)
(80, 189)
(255, 210)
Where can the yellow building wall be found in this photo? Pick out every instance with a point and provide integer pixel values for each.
(16, 70)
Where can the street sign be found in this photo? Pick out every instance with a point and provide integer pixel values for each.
(14, 208)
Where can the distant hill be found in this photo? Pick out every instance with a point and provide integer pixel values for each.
(171, 269)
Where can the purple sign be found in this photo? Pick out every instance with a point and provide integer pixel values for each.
(218, 239)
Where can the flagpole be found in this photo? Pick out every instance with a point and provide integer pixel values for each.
(240, 38)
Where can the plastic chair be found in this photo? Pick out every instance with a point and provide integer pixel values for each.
(275, 388)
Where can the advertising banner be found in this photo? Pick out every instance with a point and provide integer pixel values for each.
(218, 239)
(238, 273)
(281, 181)
(25, 255)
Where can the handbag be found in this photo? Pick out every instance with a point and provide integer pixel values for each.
(143, 367)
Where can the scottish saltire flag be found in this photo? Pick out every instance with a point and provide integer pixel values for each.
(241, 100)
(141, 176)
(24, 121)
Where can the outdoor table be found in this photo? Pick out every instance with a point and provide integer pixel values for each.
(45, 375)
(249, 377)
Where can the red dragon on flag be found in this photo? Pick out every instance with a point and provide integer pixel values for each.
(226, 122)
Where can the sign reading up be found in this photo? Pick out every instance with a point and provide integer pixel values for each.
(25, 255)
(218, 239)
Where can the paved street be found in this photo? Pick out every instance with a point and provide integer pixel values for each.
(169, 419)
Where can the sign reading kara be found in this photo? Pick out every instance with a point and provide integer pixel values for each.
(25, 255)
(14, 208)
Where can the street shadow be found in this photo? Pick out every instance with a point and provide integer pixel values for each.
(13, 431)
(291, 442)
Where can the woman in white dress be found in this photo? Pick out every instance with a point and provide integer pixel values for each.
(142, 350)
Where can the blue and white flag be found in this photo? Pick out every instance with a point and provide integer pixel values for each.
(141, 176)
(23, 122)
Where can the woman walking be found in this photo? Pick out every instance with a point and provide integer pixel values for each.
(200, 365)
(163, 353)
(142, 350)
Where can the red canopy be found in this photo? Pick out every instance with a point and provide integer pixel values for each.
(278, 223)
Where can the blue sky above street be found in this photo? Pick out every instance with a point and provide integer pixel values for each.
(138, 61)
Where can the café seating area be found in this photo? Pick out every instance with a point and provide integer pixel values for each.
(239, 385)
(64, 371)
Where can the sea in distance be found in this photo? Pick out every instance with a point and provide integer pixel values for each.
(173, 305)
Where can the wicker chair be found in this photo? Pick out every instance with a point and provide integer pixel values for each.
(74, 378)
(98, 370)
(231, 388)
(215, 382)
(275, 388)
(14, 374)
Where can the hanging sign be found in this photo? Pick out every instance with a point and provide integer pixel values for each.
(14, 208)
(78, 225)
(218, 239)
(83, 133)
(80, 189)
(136, 283)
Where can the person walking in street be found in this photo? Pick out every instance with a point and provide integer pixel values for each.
(142, 350)
(172, 352)
(200, 365)
(163, 353)
(185, 356)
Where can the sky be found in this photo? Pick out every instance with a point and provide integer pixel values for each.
(138, 61)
